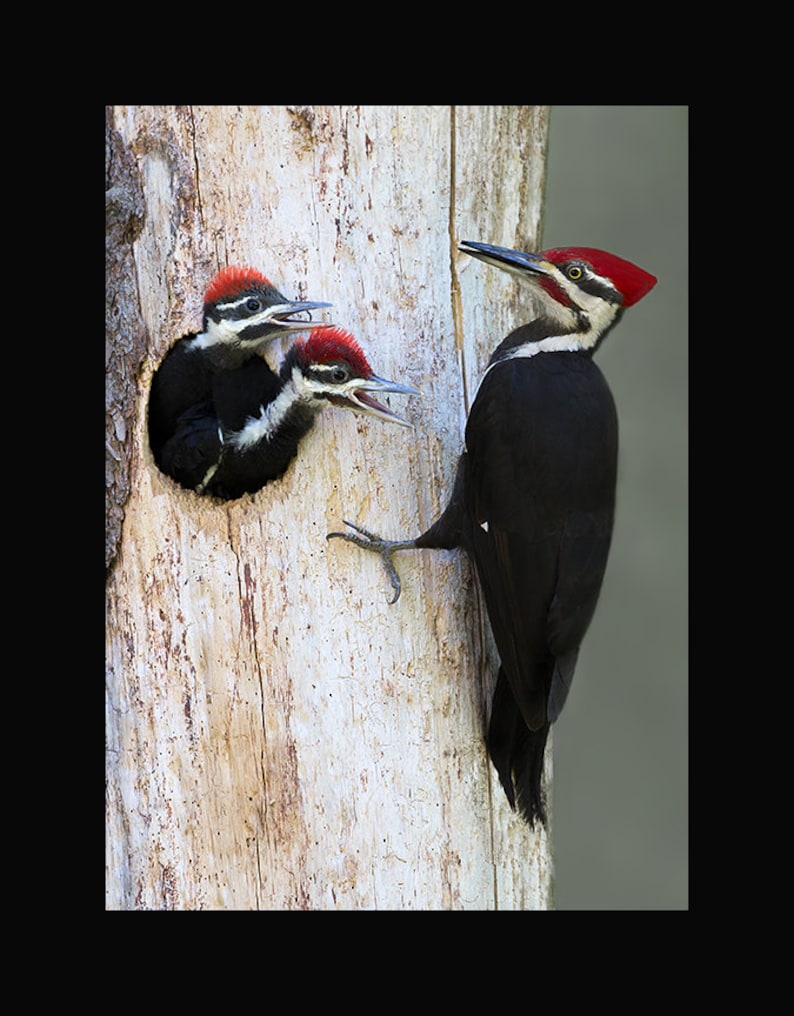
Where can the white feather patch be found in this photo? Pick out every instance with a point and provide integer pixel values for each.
(263, 427)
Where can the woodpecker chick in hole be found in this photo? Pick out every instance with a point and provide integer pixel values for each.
(214, 379)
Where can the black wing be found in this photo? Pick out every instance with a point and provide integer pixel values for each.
(182, 382)
(194, 411)
(541, 465)
(193, 451)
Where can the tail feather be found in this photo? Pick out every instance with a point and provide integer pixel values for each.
(517, 753)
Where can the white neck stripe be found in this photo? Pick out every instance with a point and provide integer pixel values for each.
(262, 427)
(553, 344)
(266, 425)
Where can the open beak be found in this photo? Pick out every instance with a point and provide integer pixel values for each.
(283, 316)
(515, 261)
(356, 396)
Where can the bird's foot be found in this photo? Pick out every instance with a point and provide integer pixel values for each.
(386, 548)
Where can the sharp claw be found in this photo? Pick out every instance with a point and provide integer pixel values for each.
(371, 537)
(393, 576)
(364, 532)
(370, 541)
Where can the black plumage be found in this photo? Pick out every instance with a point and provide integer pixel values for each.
(192, 450)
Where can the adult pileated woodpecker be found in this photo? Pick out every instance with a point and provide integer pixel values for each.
(217, 377)
(327, 369)
(533, 501)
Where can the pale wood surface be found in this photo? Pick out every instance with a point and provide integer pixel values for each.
(279, 735)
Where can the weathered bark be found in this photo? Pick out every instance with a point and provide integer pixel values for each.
(279, 735)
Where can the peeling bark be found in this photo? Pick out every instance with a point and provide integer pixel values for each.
(124, 327)
(279, 736)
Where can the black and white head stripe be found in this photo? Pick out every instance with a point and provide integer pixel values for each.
(243, 309)
(254, 317)
(247, 304)
(583, 292)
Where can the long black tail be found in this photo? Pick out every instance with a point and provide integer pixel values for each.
(517, 753)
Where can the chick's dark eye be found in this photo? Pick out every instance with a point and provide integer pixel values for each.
(574, 272)
(252, 305)
(339, 374)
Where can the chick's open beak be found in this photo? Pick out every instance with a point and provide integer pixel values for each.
(357, 396)
(283, 315)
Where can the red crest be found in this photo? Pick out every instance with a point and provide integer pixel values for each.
(333, 343)
(233, 280)
(633, 282)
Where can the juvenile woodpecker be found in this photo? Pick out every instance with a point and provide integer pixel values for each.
(221, 365)
(327, 369)
(534, 495)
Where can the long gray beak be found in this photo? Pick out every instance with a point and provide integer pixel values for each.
(281, 315)
(515, 261)
(356, 396)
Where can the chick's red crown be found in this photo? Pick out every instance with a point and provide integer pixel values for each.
(325, 345)
(233, 280)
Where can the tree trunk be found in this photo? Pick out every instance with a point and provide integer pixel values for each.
(279, 735)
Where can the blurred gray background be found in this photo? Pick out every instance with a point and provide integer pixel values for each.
(618, 179)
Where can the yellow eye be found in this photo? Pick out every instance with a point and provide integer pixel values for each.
(574, 272)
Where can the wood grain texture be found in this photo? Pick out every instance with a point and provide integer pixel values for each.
(279, 735)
